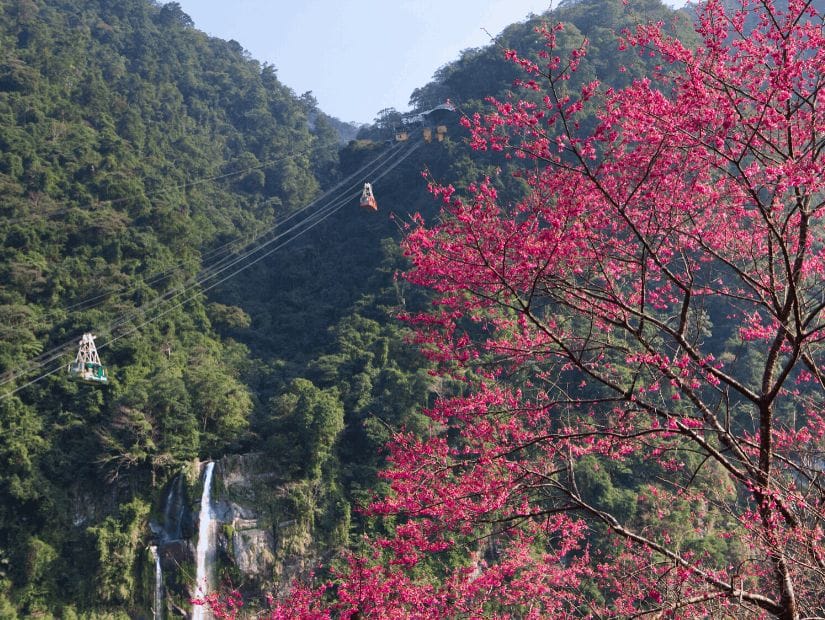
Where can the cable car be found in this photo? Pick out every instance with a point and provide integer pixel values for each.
(86, 367)
(368, 199)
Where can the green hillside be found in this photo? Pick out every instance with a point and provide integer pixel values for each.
(138, 156)
(135, 151)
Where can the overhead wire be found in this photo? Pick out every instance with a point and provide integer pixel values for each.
(58, 351)
(89, 302)
(225, 248)
(211, 271)
(302, 226)
(315, 218)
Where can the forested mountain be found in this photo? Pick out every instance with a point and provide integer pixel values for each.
(137, 155)
(134, 148)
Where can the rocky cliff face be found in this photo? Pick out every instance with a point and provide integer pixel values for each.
(265, 536)
(265, 530)
(242, 506)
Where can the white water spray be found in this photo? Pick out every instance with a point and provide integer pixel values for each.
(206, 547)
(157, 605)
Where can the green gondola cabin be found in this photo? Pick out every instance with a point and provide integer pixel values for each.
(87, 367)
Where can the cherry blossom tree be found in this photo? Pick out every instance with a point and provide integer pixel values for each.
(640, 431)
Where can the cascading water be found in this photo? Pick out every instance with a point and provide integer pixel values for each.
(206, 546)
(174, 510)
(157, 605)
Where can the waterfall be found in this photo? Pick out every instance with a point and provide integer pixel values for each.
(174, 510)
(206, 547)
(157, 605)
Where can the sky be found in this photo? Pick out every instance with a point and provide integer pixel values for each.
(358, 56)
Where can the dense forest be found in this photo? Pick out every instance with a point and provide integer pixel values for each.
(139, 158)
(135, 151)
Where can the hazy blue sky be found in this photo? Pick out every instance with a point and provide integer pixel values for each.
(357, 56)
